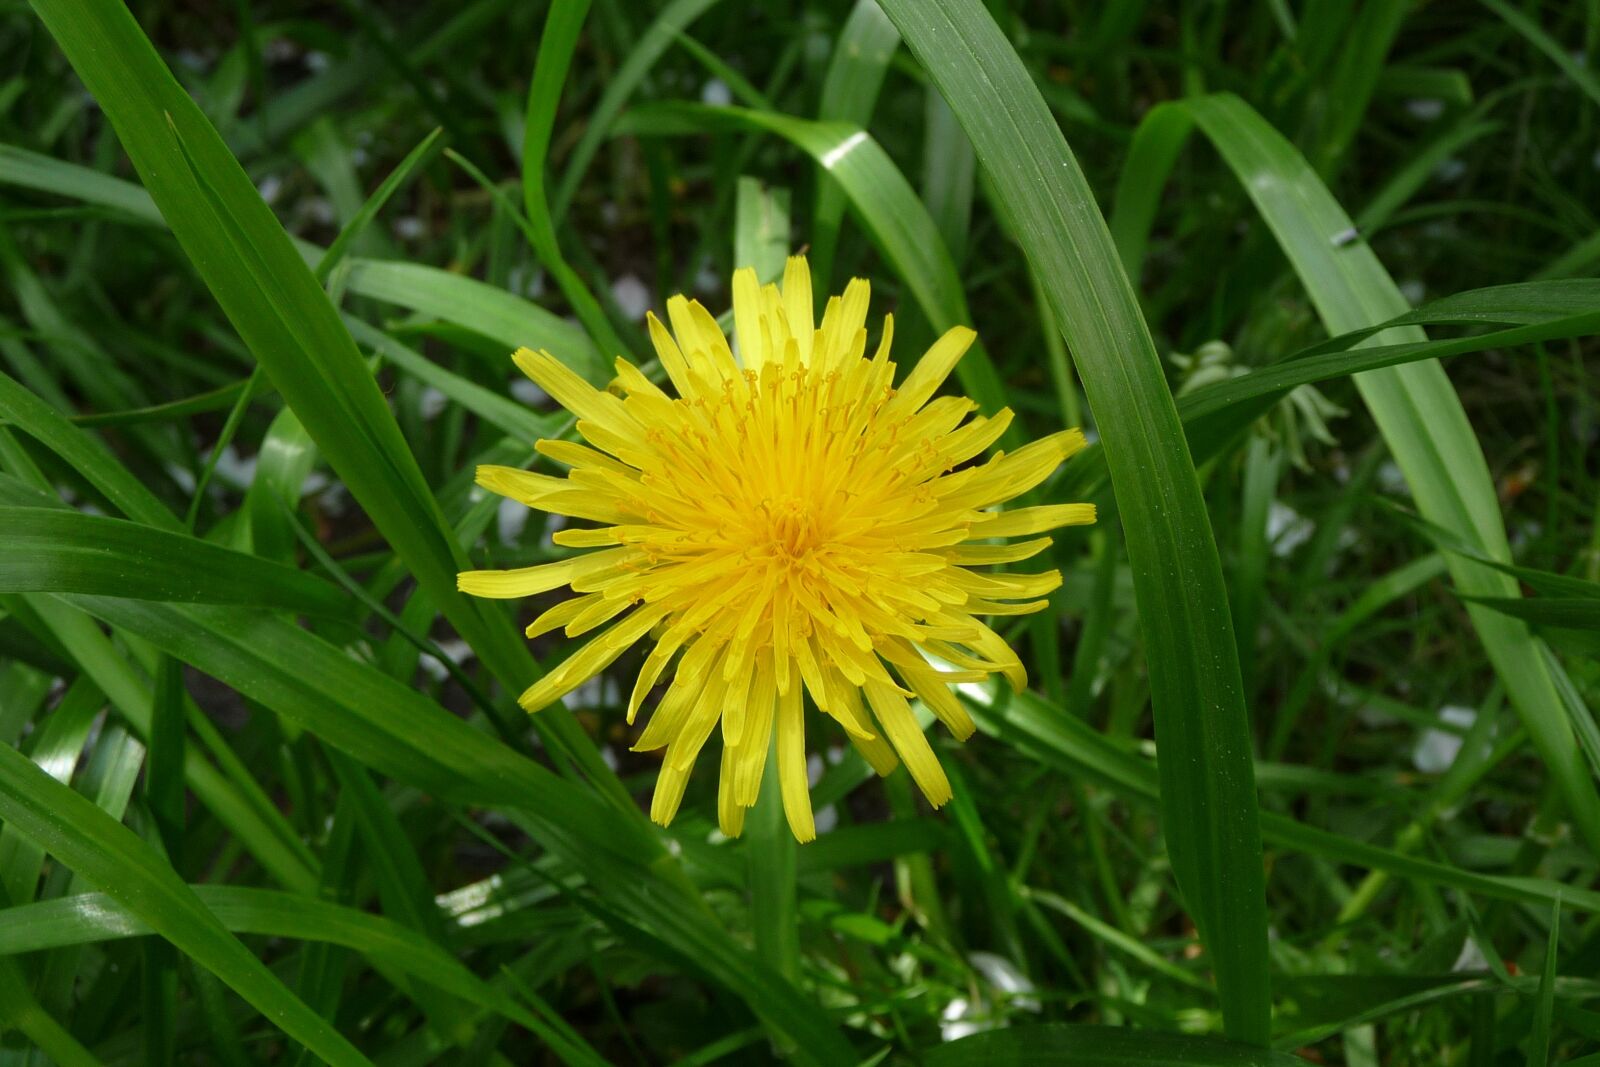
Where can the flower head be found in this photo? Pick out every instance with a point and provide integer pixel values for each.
(790, 523)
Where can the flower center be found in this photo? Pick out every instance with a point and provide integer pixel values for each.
(792, 529)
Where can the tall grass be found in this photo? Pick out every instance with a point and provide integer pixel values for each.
(1307, 771)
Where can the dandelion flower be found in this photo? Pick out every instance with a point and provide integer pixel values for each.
(791, 523)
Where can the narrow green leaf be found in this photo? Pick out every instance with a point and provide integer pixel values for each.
(1416, 409)
(1208, 793)
(674, 18)
(556, 43)
(861, 54)
(112, 857)
(57, 550)
(1520, 21)
(1545, 1000)
(1100, 1046)
(1051, 735)
(394, 729)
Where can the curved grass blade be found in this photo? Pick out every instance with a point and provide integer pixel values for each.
(1052, 736)
(285, 318)
(112, 857)
(674, 18)
(92, 918)
(85, 454)
(1417, 411)
(1572, 67)
(561, 28)
(1209, 804)
(394, 729)
(58, 550)
(861, 55)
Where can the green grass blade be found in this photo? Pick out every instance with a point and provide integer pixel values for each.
(1545, 999)
(556, 43)
(21, 1011)
(57, 550)
(1562, 57)
(392, 728)
(1100, 1046)
(1418, 413)
(111, 856)
(861, 54)
(85, 454)
(358, 223)
(1051, 735)
(281, 313)
(1208, 791)
(674, 18)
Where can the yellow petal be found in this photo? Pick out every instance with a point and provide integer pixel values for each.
(1020, 522)
(572, 392)
(1006, 477)
(730, 814)
(557, 617)
(672, 359)
(792, 766)
(747, 317)
(528, 581)
(935, 692)
(933, 368)
(574, 454)
(590, 660)
(756, 738)
(900, 725)
(633, 380)
(670, 784)
(981, 555)
(797, 303)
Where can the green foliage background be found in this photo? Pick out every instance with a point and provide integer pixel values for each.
(1317, 276)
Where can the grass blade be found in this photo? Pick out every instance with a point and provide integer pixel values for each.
(1208, 790)
(57, 550)
(1418, 413)
(111, 856)
(1101, 1046)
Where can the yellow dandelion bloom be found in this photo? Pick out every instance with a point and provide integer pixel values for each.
(790, 523)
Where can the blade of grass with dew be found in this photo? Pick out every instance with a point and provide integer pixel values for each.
(1418, 413)
(1209, 803)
